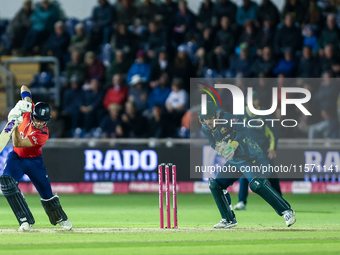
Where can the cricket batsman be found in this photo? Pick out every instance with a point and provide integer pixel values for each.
(234, 144)
(26, 158)
(266, 137)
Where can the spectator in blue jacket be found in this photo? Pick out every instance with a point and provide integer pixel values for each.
(246, 12)
(43, 19)
(286, 66)
(139, 67)
(160, 93)
(58, 43)
(103, 18)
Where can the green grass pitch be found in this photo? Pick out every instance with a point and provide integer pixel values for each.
(129, 224)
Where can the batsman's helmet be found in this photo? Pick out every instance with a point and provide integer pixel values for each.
(212, 109)
(42, 111)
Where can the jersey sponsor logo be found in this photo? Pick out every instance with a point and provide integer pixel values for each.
(35, 139)
(224, 130)
(9, 126)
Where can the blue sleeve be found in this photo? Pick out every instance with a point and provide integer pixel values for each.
(241, 131)
(210, 138)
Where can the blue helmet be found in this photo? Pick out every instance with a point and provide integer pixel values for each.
(42, 112)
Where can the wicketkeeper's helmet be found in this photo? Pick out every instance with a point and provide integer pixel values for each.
(212, 109)
(42, 111)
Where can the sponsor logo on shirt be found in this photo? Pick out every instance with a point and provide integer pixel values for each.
(35, 139)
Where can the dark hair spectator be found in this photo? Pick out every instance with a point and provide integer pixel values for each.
(20, 25)
(111, 124)
(268, 11)
(156, 41)
(133, 123)
(327, 128)
(124, 40)
(166, 13)
(265, 35)
(159, 66)
(288, 36)
(102, 15)
(58, 43)
(56, 125)
(72, 100)
(126, 12)
(183, 67)
(327, 58)
(313, 15)
(264, 63)
(225, 8)
(117, 94)
(308, 66)
(75, 69)
(246, 12)
(95, 68)
(159, 125)
(249, 34)
(329, 35)
(294, 8)
(160, 92)
(146, 11)
(184, 22)
(139, 67)
(205, 14)
(91, 105)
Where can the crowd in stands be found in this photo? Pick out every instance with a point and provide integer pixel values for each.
(127, 68)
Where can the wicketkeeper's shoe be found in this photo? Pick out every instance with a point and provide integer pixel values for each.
(24, 227)
(289, 217)
(66, 224)
(240, 206)
(226, 224)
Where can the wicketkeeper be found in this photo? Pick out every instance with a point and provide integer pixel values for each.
(235, 145)
(26, 158)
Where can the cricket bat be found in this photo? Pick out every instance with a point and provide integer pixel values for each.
(7, 133)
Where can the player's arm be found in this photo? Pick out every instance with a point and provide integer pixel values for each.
(20, 142)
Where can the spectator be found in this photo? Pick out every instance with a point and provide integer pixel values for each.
(328, 128)
(56, 125)
(241, 66)
(158, 125)
(75, 68)
(138, 30)
(288, 36)
(139, 67)
(124, 40)
(286, 66)
(120, 66)
(205, 14)
(184, 22)
(156, 41)
(308, 66)
(264, 64)
(204, 45)
(158, 67)
(327, 58)
(295, 9)
(72, 99)
(268, 11)
(183, 68)
(146, 12)
(58, 43)
(117, 94)
(79, 41)
(126, 13)
(133, 123)
(43, 19)
(248, 35)
(166, 13)
(225, 8)
(329, 35)
(91, 105)
(111, 124)
(265, 36)
(20, 25)
(103, 17)
(95, 68)
(246, 12)
(177, 102)
(310, 39)
(223, 46)
(313, 15)
(137, 94)
(160, 92)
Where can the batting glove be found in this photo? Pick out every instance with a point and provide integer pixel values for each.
(23, 106)
(15, 114)
(228, 154)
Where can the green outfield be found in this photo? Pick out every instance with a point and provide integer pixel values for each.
(129, 224)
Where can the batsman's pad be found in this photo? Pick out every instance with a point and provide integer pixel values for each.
(16, 200)
(220, 199)
(262, 187)
(53, 210)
